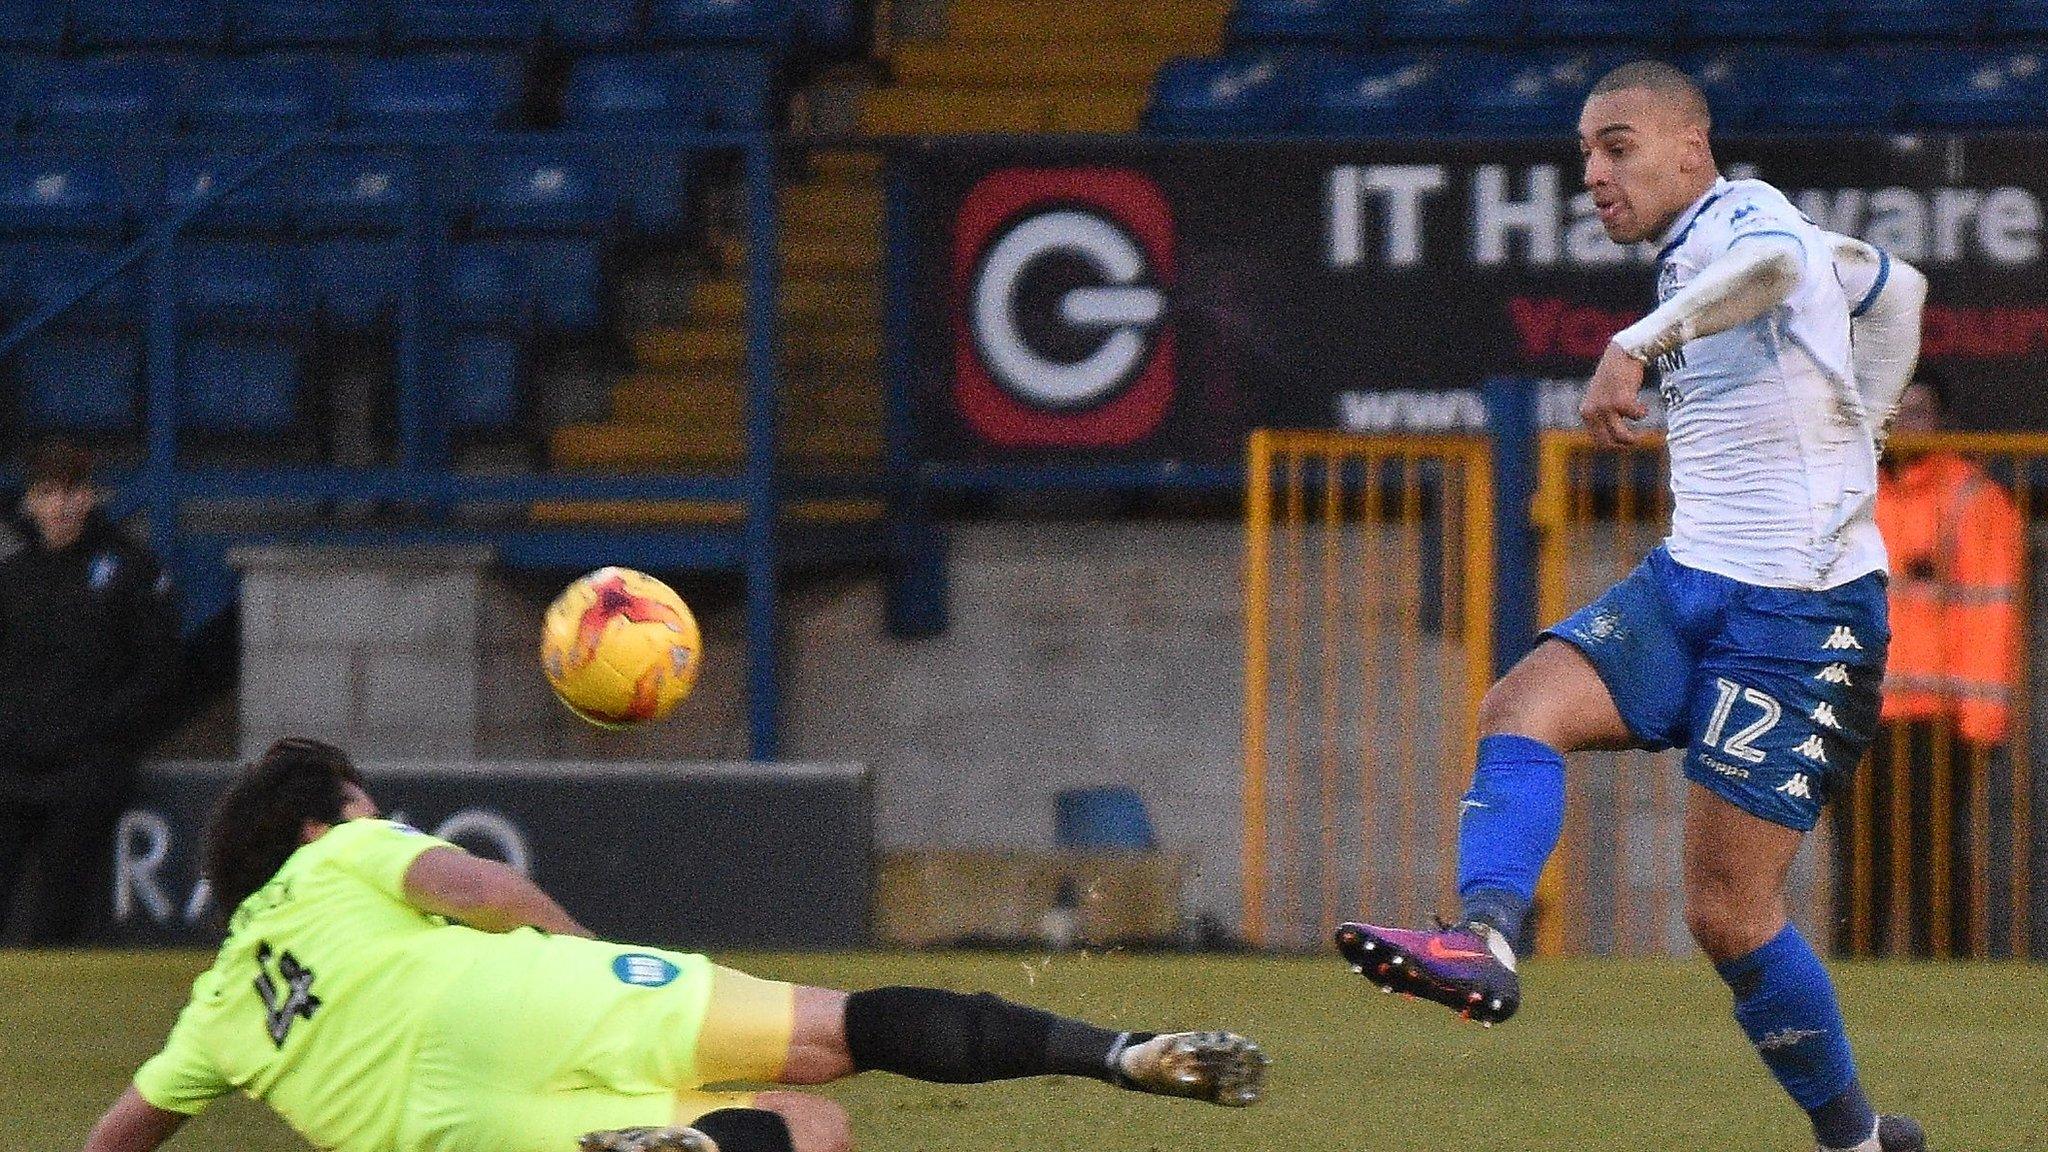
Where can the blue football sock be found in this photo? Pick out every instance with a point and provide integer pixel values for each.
(1511, 820)
(1786, 1005)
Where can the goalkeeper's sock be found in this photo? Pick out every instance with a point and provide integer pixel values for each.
(745, 1130)
(1786, 1005)
(1509, 825)
(953, 1038)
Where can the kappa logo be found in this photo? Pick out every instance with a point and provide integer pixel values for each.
(1813, 748)
(1798, 787)
(1785, 1038)
(1841, 638)
(1824, 715)
(1059, 307)
(1604, 626)
(1834, 674)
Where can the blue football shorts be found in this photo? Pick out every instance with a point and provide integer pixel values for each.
(1772, 692)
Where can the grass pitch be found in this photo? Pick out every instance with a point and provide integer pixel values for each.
(1607, 1055)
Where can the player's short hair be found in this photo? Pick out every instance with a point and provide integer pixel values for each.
(1662, 79)
(257, 822)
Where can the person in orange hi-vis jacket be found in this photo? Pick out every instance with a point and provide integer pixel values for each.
(1956, 545)
(1918, 856)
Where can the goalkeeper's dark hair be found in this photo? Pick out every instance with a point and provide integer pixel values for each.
(256, 824)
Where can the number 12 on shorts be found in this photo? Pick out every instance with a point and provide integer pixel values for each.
(1742, 745)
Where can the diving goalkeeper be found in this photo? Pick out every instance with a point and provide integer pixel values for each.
(385, 991)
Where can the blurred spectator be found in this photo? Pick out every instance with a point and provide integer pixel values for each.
(89, 661)
(1957, 545)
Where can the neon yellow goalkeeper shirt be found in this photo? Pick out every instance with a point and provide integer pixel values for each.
(315, 1002)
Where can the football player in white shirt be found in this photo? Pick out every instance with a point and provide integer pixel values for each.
(1754, 637)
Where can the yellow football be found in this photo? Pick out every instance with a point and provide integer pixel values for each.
(620, 648)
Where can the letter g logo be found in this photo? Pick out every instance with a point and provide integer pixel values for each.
(1060, 280)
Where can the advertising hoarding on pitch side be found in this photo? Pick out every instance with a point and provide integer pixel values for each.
(1133, 299)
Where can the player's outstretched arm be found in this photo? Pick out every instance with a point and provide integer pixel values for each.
(484, 894)
(133, 1125)
(1886, 296)
(1756, 275)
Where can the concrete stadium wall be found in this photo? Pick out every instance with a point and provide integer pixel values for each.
(1080, 654)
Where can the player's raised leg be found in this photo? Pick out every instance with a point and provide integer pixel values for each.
(953, 1038)
(763, 1030)
(1735, 870)
(1552, 702)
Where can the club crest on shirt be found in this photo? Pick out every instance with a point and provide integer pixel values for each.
(1667, 281)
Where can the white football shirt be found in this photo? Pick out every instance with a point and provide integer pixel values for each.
(1773, 461)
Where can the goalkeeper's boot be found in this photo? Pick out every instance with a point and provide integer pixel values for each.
(648, 1140)
(1894, 1134)
(1469, 969)
(1220, 1067)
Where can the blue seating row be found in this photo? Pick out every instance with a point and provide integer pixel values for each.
(349, 284)
(239, 383)
(536, 188)
(1378, 22)
(797, 25)
(136, 93)
(1756, 89)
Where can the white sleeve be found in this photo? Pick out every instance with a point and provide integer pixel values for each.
(1756, 274)
(1885, 298)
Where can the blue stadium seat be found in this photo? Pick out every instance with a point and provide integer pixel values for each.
(1582, 20)
(478, 377)
(2019, 17)
(242, 286)
(1720, 20)
(1875, 20)
(634, 91)
(57, 192)
(657, 188)
(1391, 94)
(452, 90)
(1959, 88)
(565, 280)
(493, 22)
(1303, 21)
(41, 274)
(103, 95)
(1451, 20)
(265, 203)
(1730, 78)
(34, 24)
(80, 381)
(1244, 94)
(535, 190)
(1828, 92)
(595, 23)
(487, 287)
(147, 23)
(302, 23)
(263, 92)
(739, 84)
(718, 21)
(1522, 95)
(353, 283)
(836, 29)
(355, 190)
(238, 384)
